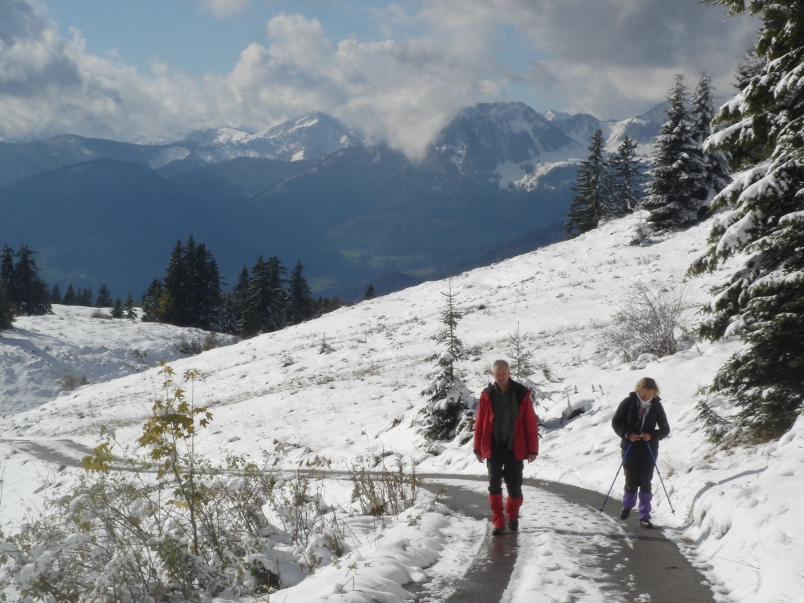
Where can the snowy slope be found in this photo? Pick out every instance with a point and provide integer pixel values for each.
(37, 354)
(346, 387)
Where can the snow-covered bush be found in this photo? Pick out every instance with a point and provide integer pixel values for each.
(171, 526)
(384, 493)
(649, 320)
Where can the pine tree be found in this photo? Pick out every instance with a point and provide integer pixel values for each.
(84, 297)
(716, 170)
(191, 294)
(448, 398)
(266, 300)
(151, 300)
(763, 303)
(677, 174)
(28, 292)
(300, 304)
(369, 294)
(128, 306)
(173, 302)
(70, 297)
(104, 299)
(117, 308)
(6, 309)
(591, 183)
(7, 271)
(626, 181)
(55, 295)
(247, 318)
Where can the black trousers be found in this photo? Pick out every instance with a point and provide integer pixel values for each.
(502, 466)
(638, 468)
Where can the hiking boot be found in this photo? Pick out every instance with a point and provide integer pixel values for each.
(498, 532)
(625, 513)
(645, 523)
(513, 525)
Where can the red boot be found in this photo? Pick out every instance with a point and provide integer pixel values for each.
(497, 517)
(512, 511)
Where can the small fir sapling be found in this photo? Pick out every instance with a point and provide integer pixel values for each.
(445, 415)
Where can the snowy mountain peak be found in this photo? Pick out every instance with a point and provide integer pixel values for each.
(311, 136)
(552, 115)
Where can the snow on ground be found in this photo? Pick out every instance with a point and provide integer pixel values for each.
(39, 351)
(346, 387)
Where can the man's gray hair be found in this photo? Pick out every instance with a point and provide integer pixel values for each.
(498, 363)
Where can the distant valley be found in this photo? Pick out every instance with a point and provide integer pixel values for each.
(494, 183)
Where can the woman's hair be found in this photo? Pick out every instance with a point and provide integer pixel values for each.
(647, 383)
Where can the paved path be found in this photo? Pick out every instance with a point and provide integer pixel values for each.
(630, 562)
(564, 547)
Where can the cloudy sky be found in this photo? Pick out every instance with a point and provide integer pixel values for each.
(154, 70)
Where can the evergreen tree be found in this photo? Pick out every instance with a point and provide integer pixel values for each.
(521, 357)
(266, 300)
(300, 303)
(626, 181)
(84, 297)
(131, 314)
(6, 309)
(673, 193)
(151, 300)
(104, 299)
(716, 170)
(7, 271)
(227, 315)
(117, 308)
(763, 303)
(28, 292)
(448, 398)
(70, 297)
(191, 294)
(369, 294)
(247, 318)
(591, 183)
(55, 295)
(173, 302)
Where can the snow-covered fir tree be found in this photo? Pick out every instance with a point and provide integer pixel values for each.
(676, 178)
(716, 169)
(627, 179)
(763, 217)
(448, 398)
(590, 188)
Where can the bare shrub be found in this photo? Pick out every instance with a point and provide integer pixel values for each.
(383, 493)
(648, 321)
(68, 382)
(100, 314)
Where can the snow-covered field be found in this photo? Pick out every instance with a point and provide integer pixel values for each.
(346, 387)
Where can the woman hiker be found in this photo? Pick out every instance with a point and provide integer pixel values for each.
(641, 422)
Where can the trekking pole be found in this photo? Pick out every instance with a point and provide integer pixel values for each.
(660, 477)
(615, 476)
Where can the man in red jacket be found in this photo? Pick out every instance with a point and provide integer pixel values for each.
(506, 433)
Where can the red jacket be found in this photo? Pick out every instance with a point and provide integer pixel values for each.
(526, 428)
